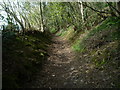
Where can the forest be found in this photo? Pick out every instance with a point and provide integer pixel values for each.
(60, 44)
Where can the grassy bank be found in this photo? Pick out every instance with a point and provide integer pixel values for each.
(23, 56)
(99, 45)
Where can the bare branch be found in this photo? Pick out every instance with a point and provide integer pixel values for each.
(95, 9)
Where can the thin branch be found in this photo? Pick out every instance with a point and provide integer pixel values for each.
(95, 9)
(113, 8)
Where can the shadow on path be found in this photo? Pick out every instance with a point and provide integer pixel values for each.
(64, 69)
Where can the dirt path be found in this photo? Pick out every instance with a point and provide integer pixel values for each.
(64, 70)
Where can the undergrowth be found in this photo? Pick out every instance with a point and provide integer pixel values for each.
(107, 25)
(101, 44)
(23, 56)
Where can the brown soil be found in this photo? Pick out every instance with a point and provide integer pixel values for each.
(65, 69)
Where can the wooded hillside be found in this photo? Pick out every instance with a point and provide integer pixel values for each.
(60, 44)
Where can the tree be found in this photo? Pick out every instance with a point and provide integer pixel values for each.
(9, 10)
(81, 9)
(41, 15)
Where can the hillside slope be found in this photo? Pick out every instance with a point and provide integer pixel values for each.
(23, 56)
(101, 46)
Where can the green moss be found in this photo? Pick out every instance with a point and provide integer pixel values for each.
(62, 33)
(53, 30)
(78, 46)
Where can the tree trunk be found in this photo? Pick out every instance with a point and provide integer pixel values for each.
(81, 9)
(15, 17)
(42, 28)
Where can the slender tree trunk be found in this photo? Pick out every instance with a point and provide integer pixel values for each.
(42, 28)
(81, 9)
(15, 17)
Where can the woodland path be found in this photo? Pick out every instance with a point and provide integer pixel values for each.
(63, 69)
